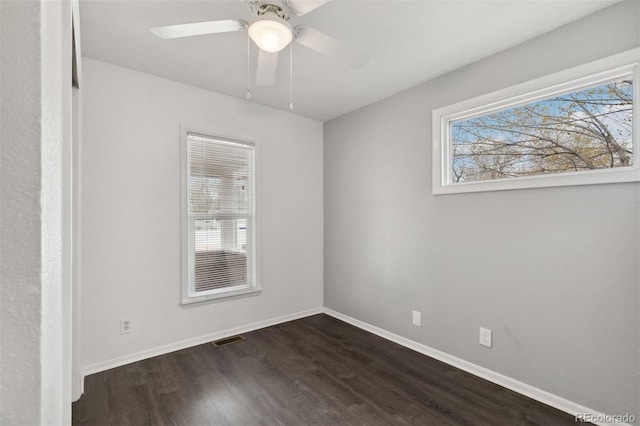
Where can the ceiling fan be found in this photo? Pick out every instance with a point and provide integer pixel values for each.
(271, 31)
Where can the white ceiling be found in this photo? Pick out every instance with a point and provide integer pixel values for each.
(409, 42)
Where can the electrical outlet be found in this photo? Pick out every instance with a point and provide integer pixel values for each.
(417, 318)
(485, 337)
(125, 326)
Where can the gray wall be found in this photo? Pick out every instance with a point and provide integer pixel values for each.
(553, 272)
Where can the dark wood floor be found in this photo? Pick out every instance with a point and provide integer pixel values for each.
(313, 371)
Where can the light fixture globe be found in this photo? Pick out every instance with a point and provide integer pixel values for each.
(271, 33)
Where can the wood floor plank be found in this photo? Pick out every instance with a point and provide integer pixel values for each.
(313, 371)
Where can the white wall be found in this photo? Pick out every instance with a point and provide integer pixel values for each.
(35, 311)
(553, 272)
(130, 207)
(20, 173)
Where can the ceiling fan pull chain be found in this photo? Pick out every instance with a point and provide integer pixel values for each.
(248, 67)
(291, 76)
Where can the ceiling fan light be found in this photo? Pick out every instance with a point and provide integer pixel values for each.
(271, 33)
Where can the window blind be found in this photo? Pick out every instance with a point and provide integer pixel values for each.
(221, 204)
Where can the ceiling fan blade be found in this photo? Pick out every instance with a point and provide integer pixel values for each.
(199, 28)
(302, 7)
(267, 67)
(329, 46)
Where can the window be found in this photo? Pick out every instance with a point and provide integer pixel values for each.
(575, 127)
(218, 218)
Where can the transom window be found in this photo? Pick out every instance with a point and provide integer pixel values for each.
(219, 212)
(575, 127)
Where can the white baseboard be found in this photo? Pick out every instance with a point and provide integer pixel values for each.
(187, 343)
(532, 392)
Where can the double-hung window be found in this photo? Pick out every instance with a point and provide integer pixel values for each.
(575, 127)
(219, 203)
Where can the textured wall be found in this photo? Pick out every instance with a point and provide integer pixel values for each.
(20, 213)
(130, 211)
(553, 272)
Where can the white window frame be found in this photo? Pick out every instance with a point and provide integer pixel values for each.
(577, 78)
(255, 284)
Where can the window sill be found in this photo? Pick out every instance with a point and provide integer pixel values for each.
(603, 176)
(221, 295)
